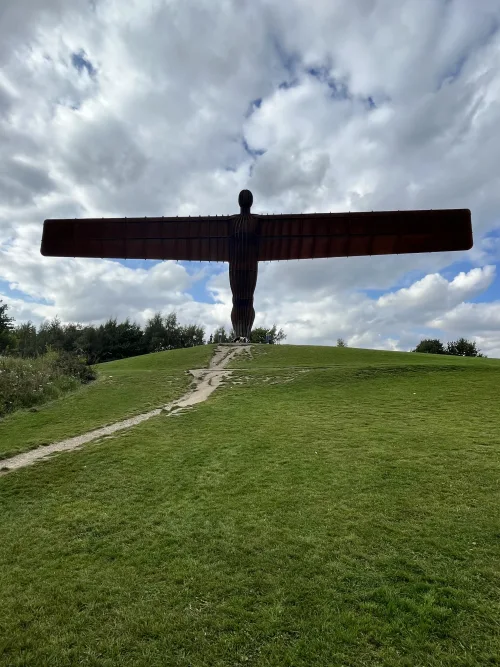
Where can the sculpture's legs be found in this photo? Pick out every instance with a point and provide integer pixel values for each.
(243, 278)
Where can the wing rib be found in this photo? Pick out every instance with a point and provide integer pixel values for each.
(351, 234)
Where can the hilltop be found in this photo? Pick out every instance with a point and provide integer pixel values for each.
(324, 506)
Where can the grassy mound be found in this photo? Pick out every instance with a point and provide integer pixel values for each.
(324, 507)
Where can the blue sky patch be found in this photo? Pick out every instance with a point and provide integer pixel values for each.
(135, 264)
(253, 106)
(251, 151)
(199, 290)
(81, 62)
(285, 85)
(321, 73)
(338, 89)
(492, 293)
(6, 290)
(453, 73)
(288, 59)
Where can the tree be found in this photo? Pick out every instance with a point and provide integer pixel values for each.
(155, 334)
(90, 344)
(278, 336)
(131, 339)
(165, 333)
(259, 335)
(341, 342)
(120, 341)
(6, 322)
(191, 335)
(172, 332)
(109, 341)
(50, 335)
(430, 346)
(220, 336)
(6, 325)
(463, 348)
(26, 340)
(71, 341)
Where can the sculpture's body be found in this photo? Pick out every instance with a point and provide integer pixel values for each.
(245, 239)
(243, 266)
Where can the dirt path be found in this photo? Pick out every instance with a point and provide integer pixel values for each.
(206, 381)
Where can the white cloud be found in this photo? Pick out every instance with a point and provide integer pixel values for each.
(157, 126)
(470, 316)
(435, 293)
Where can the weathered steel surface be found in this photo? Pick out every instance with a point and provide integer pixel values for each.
(190, 239)
(316, 235)
(245, 239)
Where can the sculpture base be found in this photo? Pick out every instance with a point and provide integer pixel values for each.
(234, 344)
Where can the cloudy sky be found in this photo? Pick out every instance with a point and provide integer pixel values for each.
(170, 107)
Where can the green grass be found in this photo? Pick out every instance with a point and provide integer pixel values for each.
(341, 516)
(276, 356)
(123, 389)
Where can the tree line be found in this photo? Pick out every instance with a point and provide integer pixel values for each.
(111, 340)
(458, 348)
(119, 340)
(258, 335)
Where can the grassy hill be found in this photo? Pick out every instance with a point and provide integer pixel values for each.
(325, 507)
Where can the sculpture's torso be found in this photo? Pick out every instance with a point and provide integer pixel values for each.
(243, 265)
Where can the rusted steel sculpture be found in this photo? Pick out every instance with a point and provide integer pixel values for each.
(246, 239)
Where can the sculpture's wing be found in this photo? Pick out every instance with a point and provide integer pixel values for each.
(200, 239)
(314, 235)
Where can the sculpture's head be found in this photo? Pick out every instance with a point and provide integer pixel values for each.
(245, 200)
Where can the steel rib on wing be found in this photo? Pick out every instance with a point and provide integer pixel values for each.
(315, 235)
(190, 239)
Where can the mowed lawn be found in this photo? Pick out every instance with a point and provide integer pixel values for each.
(123, 389)
(324, 507)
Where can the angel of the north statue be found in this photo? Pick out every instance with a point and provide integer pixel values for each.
(245, 239)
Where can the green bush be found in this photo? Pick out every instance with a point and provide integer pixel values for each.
(25, 383)
(74, 367)
(430, 346)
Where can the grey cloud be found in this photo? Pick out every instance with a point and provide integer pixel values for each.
(21, 19)
(300, 172)
(15, 173)
(5, 101)
(102, 152)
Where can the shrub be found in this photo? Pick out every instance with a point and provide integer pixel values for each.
(75, 367)
(25, 383)
(463, 348)
(430, 346)
(459, 348)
